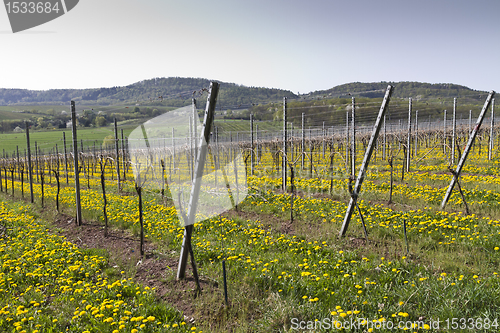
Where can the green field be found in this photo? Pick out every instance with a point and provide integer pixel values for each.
(242, 126)
(9, 115)
(48, 139)
(13, 112)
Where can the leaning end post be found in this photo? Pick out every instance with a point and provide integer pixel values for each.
(366, 161)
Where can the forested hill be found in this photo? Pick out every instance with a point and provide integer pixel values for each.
(176, 91)
(331, 105)
(173, 91)
(416, 90)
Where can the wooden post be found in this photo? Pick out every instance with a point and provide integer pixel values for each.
(257, 147)
(217, 149)
(467, 148)
(30, 167)
(385, 140)
(311, 148)
(303, 144)
(347, 145)
(408, 140)
(492, 138)
(195, 189)
(195, 127)
(416, 133)
(173, 148)
(77, 177)
(285, 151)
(353, 139)
(124, 159)
(65, 158)
(18, 164)
(190, 149)
(366, 161)
(323, 139)
(117, 155)
(454, 131)
(470, 122)
(36, 162)
(252, 145)
(444, 134)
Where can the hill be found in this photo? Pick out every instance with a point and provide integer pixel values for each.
(173, 92)
(177, 91)
(158, 95)
(416, 90)
(330, 105)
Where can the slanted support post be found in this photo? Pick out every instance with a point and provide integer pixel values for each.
(196, 186)
(461, 163)
(366, 161)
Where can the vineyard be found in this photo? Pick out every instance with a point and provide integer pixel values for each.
(408, 259)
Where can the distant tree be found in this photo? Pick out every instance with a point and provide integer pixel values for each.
(108, 141)
(41, 122)
(58, 123)
(100, 121)
(87, 118)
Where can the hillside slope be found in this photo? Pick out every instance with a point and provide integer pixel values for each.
(173, 91)
(405, 89)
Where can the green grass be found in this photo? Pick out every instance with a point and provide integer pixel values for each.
(243, 126)
(12, 112)
(48, 139)
(9, 115)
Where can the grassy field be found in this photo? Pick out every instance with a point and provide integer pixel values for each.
(9, 115)
(12, 112)
(243, 126)
(48, 139)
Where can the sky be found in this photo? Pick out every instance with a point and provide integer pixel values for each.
(301, 46)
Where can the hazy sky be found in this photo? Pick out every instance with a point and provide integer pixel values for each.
(302, 45)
